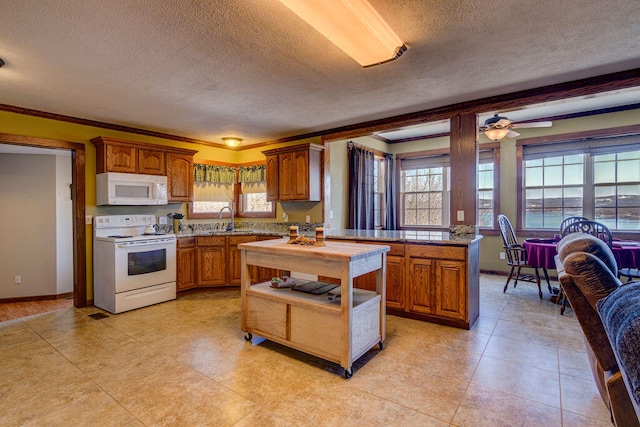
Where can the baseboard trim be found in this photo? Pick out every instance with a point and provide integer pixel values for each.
(66, 295)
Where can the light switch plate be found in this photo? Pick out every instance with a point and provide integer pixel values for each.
(460, 215)
(88, 219)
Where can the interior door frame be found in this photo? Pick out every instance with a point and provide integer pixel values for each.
(78, 203)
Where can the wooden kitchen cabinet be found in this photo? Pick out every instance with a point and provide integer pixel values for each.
(272, 176)
(211, 261)
(117, 155)
(433, 282)
(179, 178)
(186, 263)
(439, 284)
(234, 264)
(152, 162)
(297, 174)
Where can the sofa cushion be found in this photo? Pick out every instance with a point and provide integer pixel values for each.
(582, 242)
(620, 313)
(592, 276)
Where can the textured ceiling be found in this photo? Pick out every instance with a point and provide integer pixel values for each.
(252, 69)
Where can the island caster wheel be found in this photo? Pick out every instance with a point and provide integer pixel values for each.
(381, 345)
(348, 373)
(248, 336)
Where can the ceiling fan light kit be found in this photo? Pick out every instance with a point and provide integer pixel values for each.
(352, 25)
(498, 127)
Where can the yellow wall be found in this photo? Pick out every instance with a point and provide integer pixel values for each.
(19, 124)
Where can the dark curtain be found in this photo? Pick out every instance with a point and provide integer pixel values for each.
(360, 187)
(389, 222)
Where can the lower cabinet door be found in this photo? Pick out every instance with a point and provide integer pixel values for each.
(421, 286)
(211, 266)
(450, 289)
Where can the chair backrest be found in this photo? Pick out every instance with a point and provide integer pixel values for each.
(594, 228)
(570, 220)
(506, 230)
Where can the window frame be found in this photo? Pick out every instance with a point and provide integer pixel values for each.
(237, 204)
(493, 147)
(588, 164)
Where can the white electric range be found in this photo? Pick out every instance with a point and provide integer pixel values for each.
(131, 269)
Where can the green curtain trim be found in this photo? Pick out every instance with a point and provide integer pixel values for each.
(212, 173)
(252, 173)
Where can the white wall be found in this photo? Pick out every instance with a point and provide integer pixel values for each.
(28, 226)
(64, 225)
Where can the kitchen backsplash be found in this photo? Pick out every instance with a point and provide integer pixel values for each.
(280, 227)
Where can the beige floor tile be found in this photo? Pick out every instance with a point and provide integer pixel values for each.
(492, 408)
(524, 381)
(575, 364)
(581, 397)
(185, 362)
(569, 419)
(525, 353)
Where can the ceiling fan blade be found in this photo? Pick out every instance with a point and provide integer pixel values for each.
(512, 134)
(502, 123)
(533, 125)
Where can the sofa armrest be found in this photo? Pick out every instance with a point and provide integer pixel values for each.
(620, 313)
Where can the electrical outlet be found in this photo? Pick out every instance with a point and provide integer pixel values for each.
(460, 215)
(502, 255)
(330, 214)
(88, 219)
(162, 220)
(17, 280)
(308, 219)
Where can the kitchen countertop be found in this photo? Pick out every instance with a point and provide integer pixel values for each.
(402, 236)
(236, 232)
(395, 236)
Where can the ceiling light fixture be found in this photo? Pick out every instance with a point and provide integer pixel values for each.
(352, 25)
(496, 134)
(231, 141)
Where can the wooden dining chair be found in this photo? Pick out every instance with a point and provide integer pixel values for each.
(570, 220)
(516, 256)
(594, 228)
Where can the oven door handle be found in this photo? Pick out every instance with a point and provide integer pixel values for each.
(143, 243)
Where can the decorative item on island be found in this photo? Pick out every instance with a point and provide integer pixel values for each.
(295, 239)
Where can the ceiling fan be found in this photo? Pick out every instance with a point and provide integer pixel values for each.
(498, 127)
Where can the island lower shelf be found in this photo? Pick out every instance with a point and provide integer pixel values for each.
(312, 323)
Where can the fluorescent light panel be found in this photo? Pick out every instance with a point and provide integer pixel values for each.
(352, 25)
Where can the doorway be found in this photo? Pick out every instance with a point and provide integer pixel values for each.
(77, 189)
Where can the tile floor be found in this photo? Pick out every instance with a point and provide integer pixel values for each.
(185, 363)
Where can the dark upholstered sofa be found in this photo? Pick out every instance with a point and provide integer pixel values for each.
(587, 271)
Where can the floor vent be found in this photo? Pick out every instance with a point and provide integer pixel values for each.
(98, 316)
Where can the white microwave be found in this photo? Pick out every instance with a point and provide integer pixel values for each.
(115, 188)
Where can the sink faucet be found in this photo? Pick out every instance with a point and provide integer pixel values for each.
(232, 221)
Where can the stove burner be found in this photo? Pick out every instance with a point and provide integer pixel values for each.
(118, 237)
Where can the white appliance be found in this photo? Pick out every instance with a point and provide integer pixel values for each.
(115, 188)
(131, 269)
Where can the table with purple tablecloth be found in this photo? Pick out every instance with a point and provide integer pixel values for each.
(540, 253)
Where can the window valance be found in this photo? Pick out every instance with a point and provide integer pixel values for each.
(214, 174)
(256, 173)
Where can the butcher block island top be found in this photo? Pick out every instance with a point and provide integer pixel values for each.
(338, 328)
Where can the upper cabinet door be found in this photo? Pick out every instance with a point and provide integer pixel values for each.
(273, 189)
(179, 178)
(121, 159)
(152, 162)
(295, 173)
(286, 173)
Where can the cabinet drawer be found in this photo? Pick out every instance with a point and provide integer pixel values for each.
(186, 242)
(211, 241)
(438, 252)
(396, 248)
(234, 240)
